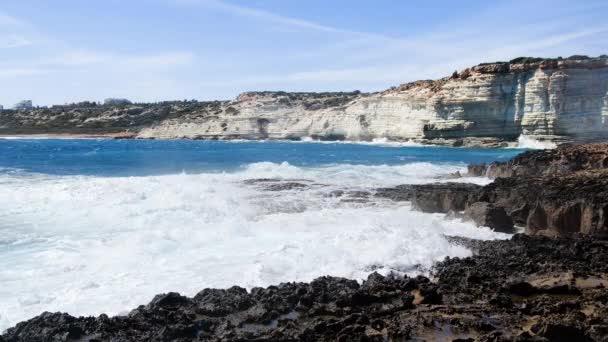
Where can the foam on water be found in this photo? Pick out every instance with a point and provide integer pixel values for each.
(384, 142)
(528, 142)
(88, 245)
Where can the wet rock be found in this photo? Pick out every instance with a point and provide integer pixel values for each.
(476, 170)
(286, 186)
(567, 158)
(274, 184)
(432, 198)
(553, 205)
(398, 193)
(442, 197)
(487, 215)
(454, 175)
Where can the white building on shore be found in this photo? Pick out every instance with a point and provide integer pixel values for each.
(24, 105)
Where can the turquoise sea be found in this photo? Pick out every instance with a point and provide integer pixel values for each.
(91, 225)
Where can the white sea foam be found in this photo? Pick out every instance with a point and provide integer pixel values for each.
(526, 141)
(87, 245)
(384, 142)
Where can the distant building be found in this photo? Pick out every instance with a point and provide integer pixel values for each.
(116, 102)
(1, 108)
(24, 105)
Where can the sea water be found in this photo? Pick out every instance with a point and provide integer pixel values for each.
(100, 226)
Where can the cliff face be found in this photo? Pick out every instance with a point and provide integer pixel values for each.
(561, 97)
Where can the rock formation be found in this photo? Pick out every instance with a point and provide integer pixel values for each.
(560, 161)
(486, 104)
(558, 192)
(553, 205)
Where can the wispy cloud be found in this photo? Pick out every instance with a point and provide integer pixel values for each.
(215, 57)
(276, 18)
(164, 59)
(19, 72)
(260, 14)
(13, 41)
(8, 20)
(84, 58)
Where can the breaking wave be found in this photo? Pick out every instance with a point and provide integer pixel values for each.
(87, 244)
(529, 142)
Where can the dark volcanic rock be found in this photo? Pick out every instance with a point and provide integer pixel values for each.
(565, 159)
(488, 215)
(518, 289)
(558, 205)
(274, 184)
(398, 193)
(442, 197)
(476, 170)
(432, 198)
(553, 192)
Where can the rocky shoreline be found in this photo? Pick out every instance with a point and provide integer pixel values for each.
(523, 289)
(549, 284)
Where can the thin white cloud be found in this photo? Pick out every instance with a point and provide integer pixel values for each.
(83, 58)
(10, 41)
(8, 20)
(165, 59)
(551, 41)
(19, 72)
(280, 19)
(260, 14)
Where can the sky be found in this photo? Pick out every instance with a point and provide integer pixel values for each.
(64, 51)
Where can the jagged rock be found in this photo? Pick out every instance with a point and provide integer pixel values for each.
(565, 159)
(488, 215)
(398, 193)
(442, 197)
(557, 205)
(476, 170)
(431, 198)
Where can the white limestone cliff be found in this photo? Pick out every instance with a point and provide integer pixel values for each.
(548, 98)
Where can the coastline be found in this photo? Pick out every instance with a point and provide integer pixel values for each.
(532, 142)
(520, 289)
(487, 104)
(123, 135)
(530, 287)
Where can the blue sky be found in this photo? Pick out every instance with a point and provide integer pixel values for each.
(149, 50)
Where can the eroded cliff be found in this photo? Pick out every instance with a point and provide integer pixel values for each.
(538, 97)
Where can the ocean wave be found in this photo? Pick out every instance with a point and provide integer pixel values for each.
(529, 142)
(384, 142)
(134, 237)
